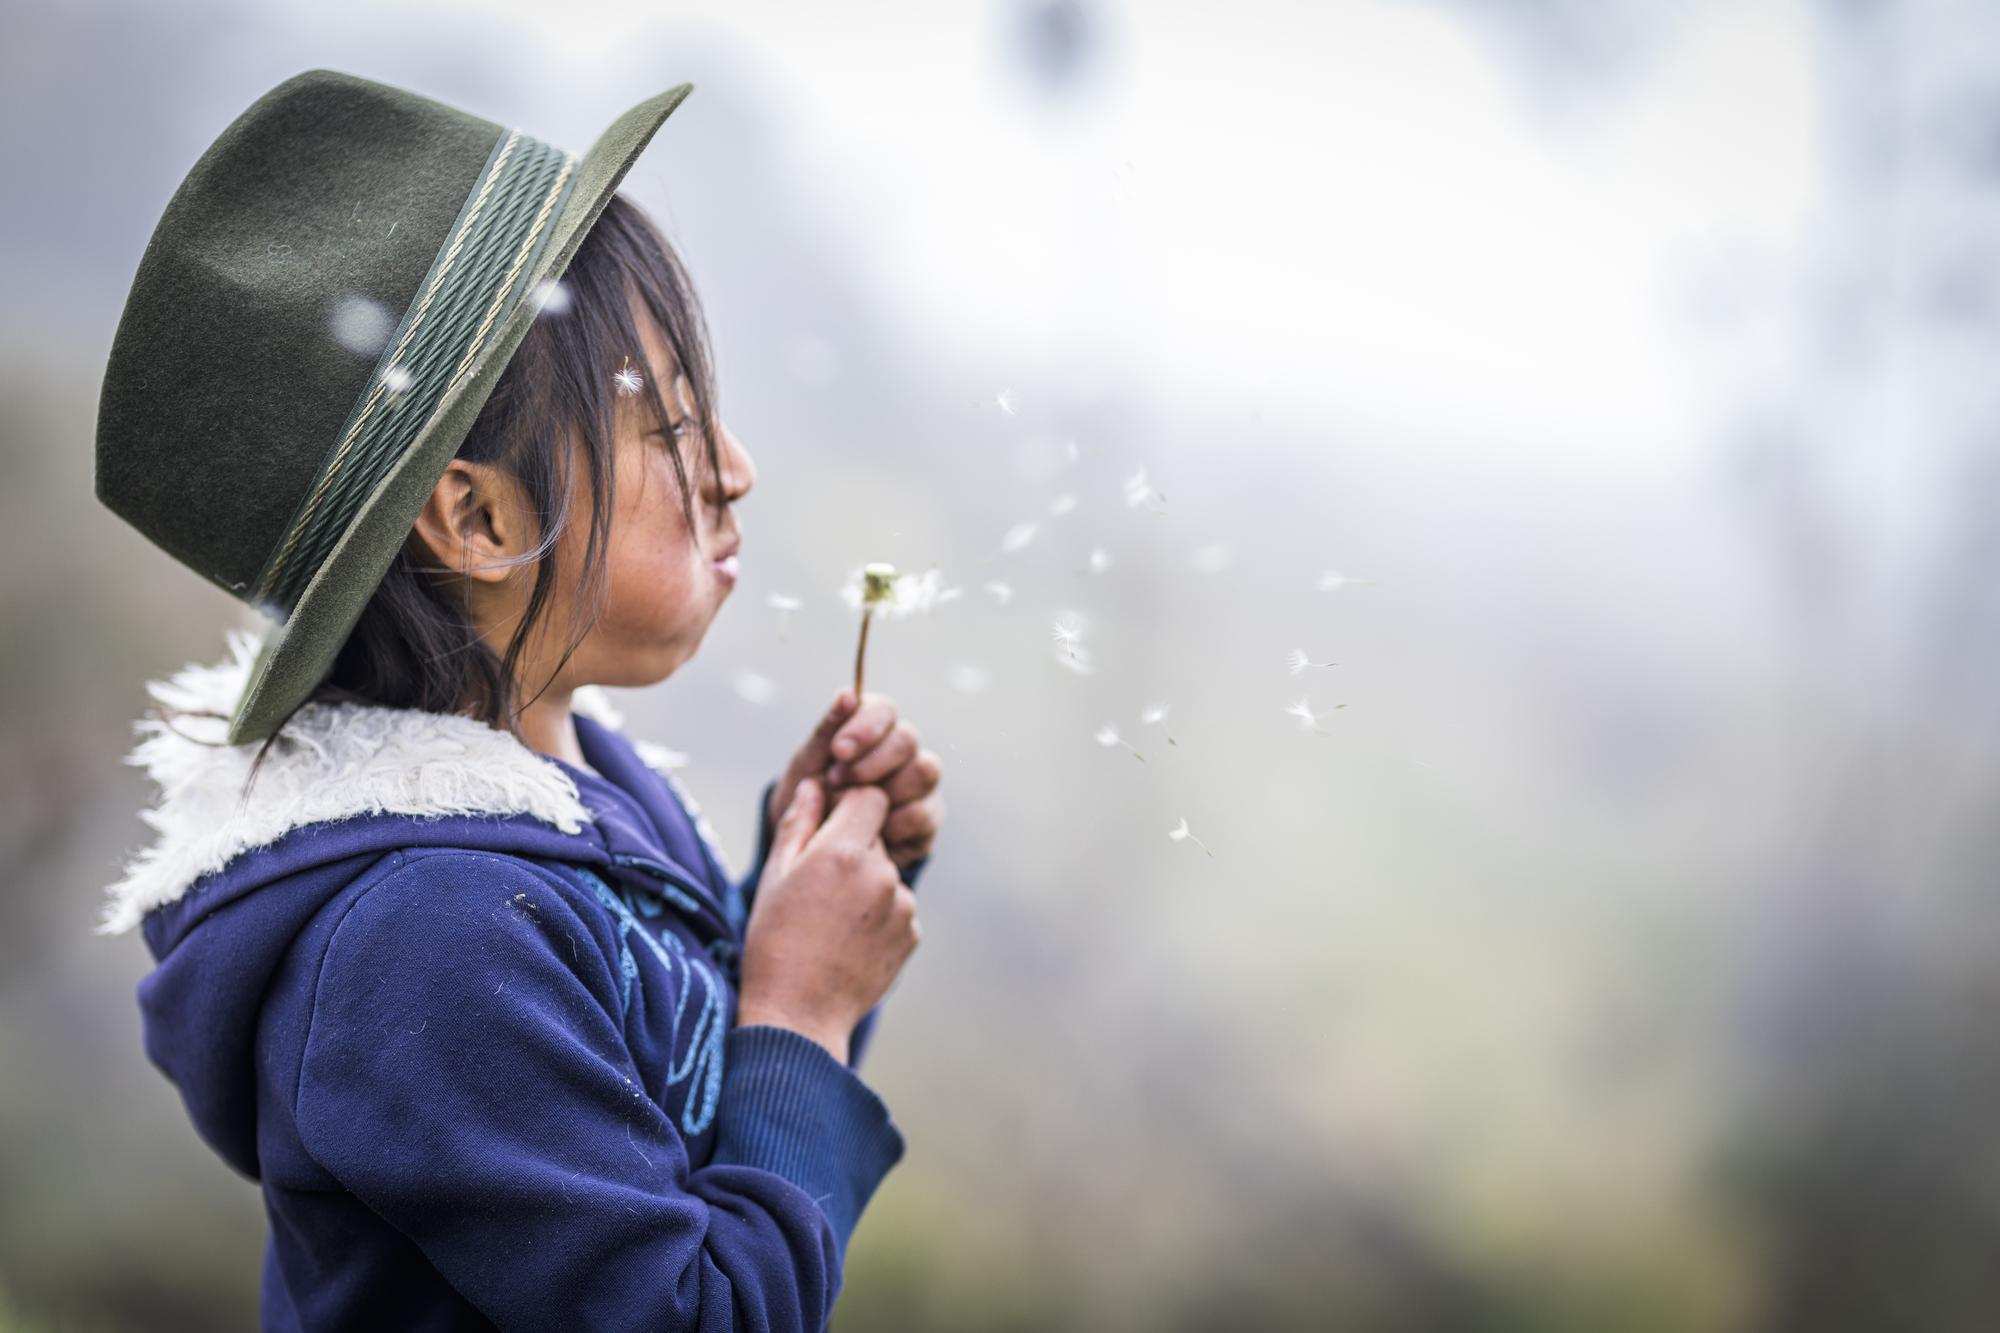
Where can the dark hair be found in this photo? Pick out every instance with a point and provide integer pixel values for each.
(414, 645)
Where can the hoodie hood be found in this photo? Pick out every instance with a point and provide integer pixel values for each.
(231, 878)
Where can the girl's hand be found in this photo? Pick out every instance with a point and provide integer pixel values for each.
(832, 923)
(872, 746)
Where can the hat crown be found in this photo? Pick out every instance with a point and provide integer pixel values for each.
(258, 312)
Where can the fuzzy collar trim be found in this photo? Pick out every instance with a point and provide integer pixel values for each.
(335, 761)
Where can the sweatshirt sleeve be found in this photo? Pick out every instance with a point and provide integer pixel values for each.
(746, 892)
(466, 1076)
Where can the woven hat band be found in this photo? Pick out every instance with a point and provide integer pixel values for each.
(478, 277)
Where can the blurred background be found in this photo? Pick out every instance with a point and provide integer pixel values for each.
(1606, 386)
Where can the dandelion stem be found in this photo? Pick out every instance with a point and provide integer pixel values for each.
(861, 649)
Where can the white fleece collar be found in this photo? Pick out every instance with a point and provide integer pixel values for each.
(335, 761)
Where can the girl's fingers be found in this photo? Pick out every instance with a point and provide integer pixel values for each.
(868, 724)
(893, 751)
(916, 779)
(910, 825)
(797, 825)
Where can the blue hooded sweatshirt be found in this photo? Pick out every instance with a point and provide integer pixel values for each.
(467, 1014)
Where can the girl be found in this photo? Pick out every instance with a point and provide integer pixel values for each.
(450, 965)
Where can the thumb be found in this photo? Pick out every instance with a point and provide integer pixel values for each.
(817, 753)
(797, 825)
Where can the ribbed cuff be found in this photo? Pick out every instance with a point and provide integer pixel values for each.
(790, 1108)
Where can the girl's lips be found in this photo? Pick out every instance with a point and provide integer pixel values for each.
(725, 569)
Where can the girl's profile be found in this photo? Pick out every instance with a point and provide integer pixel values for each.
(447, 962)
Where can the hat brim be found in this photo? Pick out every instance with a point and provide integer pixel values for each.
(296, 655)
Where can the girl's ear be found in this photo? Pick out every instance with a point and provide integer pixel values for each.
(474, 523)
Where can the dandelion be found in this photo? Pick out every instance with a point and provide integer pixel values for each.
(754, 688)
(627, 379)
(1100, 559)
(1296, 662)
(1107, 736)
(784, 605)
(1139, 491)
(1155, 715)
(1018, 536)
(1061, 505)
(1308, 719)
(1005, 401)
(1001, 593)
(1182, 833)
(1332, 581)
(878, 587)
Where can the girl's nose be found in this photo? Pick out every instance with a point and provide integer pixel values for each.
(739, 473)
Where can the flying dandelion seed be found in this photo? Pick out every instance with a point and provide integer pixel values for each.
(361, 325)
(396, 379)
(1070, 649)
(1140, 491)
(969, 679)
(1156, 715)
(1000, 592)
(1078, 659)
(551, 297)
(1182, 833)
(1017, 537)
(784, 605)
(1100, 559)
(1296, 662)
(627, 378)
(1005, 401)
(1308, 719)
(1332, 581)
(1211, 559)
(1107, 736)
(754, 688)
(1070, 449)
(1061, 505)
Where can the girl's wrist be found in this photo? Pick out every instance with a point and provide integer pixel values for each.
(832, 1037)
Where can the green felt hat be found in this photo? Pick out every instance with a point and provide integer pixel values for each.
(323, 309)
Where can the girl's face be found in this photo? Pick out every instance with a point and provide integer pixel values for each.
(665, 581)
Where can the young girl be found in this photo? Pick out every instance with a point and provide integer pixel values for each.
(447, 963)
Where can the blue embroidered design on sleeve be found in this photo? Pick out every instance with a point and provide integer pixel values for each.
(703, 1053)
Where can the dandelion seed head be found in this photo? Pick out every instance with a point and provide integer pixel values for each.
(1296, 661)
(396, 379)
(1153, 713)
(1179, 832)
(779, 601)
(1018, 536)
(1107, 736)
(1068, 629)
(1061, 505)
(1001, 593)
(1005, 401)
(1100, 559)
(1302, 710)
(1137, 488)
